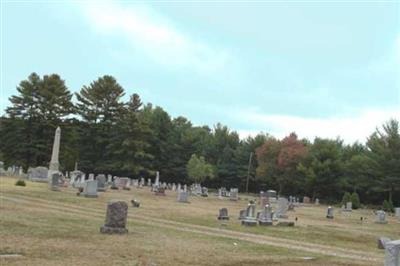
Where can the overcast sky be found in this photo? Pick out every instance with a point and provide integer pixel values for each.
(318, 68)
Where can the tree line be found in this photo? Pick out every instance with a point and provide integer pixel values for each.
(106, 134)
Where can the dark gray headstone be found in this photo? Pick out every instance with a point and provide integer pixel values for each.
(117, 213)
(223, 214)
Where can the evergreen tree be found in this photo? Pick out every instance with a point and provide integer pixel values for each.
(42, 104)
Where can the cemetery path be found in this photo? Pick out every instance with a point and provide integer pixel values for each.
(85, 212)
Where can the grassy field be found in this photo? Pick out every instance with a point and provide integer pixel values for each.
(43, 227)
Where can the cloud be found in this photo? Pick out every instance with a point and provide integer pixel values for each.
(154, 35)
(349, 128)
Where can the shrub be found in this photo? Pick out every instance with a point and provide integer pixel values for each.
(346, 198)
(388, 206)
(355, 200)
(20, 183)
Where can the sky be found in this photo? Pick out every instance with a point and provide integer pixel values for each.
(318, 68)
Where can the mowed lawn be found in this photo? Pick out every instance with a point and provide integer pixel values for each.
(43, 227)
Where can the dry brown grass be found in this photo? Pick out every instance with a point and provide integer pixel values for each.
(59, 228)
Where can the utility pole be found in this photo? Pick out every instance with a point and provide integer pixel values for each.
(248, 173)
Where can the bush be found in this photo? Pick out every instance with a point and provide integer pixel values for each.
(20, 183)
(355, 200)
(388, 206)
(346, 198)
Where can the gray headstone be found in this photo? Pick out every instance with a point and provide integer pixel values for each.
(348, 207)
(183, 196)
(90, 189)
(55, 181)
(223, 214)
(117, 213)
(234, 194)
(392, 253)
(397, 212)
(38, 174)
(242, 214)
(329, 213)
(101, 183)
(265, 217)
(250, 219)
(123, 182)
(282, 208)
(380, 217)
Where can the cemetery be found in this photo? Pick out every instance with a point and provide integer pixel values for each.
(198, 132)
(38, 214)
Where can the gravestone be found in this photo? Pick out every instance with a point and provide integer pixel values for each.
(348, 207)
(242, 214)
(392, 253)
(117, 213)
(250, 219)
(123, 182)
(148, 182)
(223, 214)
(316, 201)
(204, 192)
(224, 193)
(380, 217)
(264, 201)
(55, 181)
(109, 179)
(265, 217)
(75, 176)
(38, 174)
(233, 195)
(397, 212)
(282, 208)
(306, 200)
(91, 177)
(183, 196)
(90, 189)
(160, 191)
(329, 213)
(271, 194)
(101, 183)
(54, 163)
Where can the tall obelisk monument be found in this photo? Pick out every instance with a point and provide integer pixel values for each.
(54, 164)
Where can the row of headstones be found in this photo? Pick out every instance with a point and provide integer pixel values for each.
(266, 216)
(198, 190)
(380, 215)
(233, 193)
(183, 195)
(11, 170)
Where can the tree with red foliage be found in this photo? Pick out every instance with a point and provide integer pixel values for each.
(278, 160)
